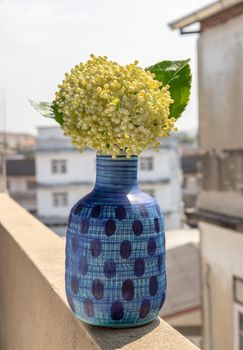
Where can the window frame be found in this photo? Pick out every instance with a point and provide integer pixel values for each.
(58, 166)
(146, 163)
(60, 199)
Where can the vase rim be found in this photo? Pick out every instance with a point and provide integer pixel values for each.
(118, 156)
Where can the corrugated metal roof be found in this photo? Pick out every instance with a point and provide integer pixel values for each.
(203, 13)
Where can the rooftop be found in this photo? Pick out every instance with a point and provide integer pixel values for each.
(203, 13)
(20, 167)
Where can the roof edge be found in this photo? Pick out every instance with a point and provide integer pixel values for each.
(203, 13)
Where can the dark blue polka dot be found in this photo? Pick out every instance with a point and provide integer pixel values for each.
(125, 249)
(98, 289)
(117, 310)
(110, 227)
(75, 244)
(137, 227)
(70, 302)
(151, 246)
(110, 268)
(96, 211)
(160, 262)
(83, 265)
(162, 301)
(139, 267)
(120, 213)
(89, 307)
(128, 290)
(95, 247)
(144, 308)
(157, 209)
(85, 225)
(153, 285)
(144, 212)
(156, 225)
(75, 284)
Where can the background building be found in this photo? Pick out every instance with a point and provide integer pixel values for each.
(220, 202)
(17, 143)
(64, 176)
(21, 182)
(190, 188)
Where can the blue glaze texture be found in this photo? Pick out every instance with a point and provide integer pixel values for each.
(115, 250)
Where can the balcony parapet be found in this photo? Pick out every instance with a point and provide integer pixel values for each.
(34, 311)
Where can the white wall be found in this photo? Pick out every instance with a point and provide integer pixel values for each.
(163, 165)
(222, 258)
(18, 189)
(80, 167)
(45, 199)
(165, 178)
(17, 184)
(220, 68)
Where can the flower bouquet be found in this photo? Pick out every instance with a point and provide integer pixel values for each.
(115, 245)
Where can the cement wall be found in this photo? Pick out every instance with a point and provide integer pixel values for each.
(220, 64)
(222, 259)
(33, 308)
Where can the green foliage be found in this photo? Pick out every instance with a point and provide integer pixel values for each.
(48, 110)
(57, 115)
(178, 75)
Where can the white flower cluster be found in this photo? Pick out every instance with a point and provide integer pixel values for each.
(112, 108)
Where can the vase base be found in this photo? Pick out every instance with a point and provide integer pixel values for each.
(118, 325)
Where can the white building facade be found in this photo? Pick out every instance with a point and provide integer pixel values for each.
(64, 176)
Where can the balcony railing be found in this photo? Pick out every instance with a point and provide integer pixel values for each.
(33, 307)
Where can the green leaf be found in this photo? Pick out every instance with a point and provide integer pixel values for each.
(48, 110)
(178, 75)
(43, 108)
(58, 115)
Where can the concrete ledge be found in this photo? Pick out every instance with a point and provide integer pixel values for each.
(33, 307)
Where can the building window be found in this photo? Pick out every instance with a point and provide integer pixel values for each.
(60, 199)
(150, 191)
(238, 290)
(240, 322)
(146, 163)
(58, 166)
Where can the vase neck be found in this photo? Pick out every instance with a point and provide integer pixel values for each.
(119, 174)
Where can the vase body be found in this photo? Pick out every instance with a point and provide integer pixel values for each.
(115, 250)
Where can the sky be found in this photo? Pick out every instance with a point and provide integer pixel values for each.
(40, 40)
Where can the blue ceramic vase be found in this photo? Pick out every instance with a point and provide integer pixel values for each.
(115, 250)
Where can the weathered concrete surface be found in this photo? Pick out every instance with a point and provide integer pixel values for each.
(33, 307)
(220, 51)
(222, 259)
(229, 203)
